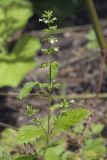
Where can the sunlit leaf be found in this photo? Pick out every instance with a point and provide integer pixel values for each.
(70, 118)
(15, 66)
(94, 148)
(26, 89)
(29, 133)
(6, 157)
(8, 11)
(51, 155)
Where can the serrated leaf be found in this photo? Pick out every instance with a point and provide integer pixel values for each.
(26, 157)
(15, 66)
(51, 155)
(29, 133)
(70, 118)
(25, 91)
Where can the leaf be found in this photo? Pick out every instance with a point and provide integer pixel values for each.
(15, 66)
(26, 157)
(91, 35)
(9, 141)
(54, 70)
(92, 40)
(6, 157)
(96, 128)
(70, 118)
(8, 11)
(23, 12)
(27, 46)
(1, 151)
(29, 133)
(92, 45)
(25, 91)
(94, 148)
(51, 155)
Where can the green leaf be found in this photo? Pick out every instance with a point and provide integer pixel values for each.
(29, 157)
(94, 148)
(54, 70)
(15, 66)
(91, 35)
(25, 91)
(1, 151)
(29, 133)
(26, 46)
(92, 45)
(51, 155)
(8, 141)
(96, 128)
(70, 118)
(23, 12)
(8, 11)
(92, 40)
(6, 157)
(26, 157)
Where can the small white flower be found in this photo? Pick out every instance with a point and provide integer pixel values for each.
(56, 49)
(54, 19)
(46, 21)
(40, 20)
(52, 41)
(72, 101)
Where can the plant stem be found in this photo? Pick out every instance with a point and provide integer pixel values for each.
(49, 111)
(96, 24)
(48, 129)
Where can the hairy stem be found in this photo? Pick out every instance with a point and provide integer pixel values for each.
(96, 24)
(49, 111)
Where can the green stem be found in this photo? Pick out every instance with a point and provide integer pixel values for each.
(96, 24)
(49, 111)
(48, 129)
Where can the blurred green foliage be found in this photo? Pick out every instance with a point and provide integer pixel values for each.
(93, 147)
(92, 40)
(14, 15)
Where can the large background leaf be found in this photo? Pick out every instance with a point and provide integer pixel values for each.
(14, 15)
(14, 67)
